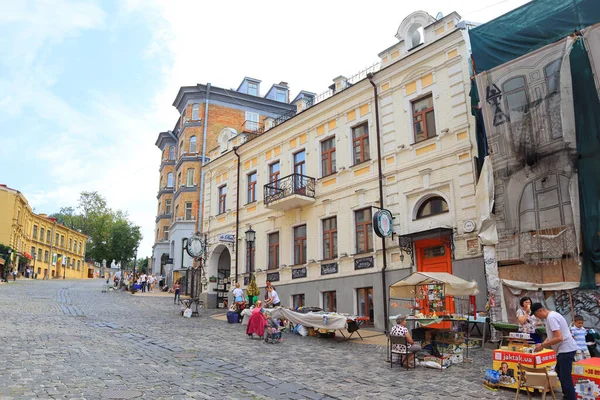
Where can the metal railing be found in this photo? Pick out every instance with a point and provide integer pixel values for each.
(289, 185)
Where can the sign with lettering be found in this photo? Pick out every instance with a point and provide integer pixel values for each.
(169, 261)
(246, 280)
(327, 269)
(299, 273)
(273, 276)
(227, 237)
(362, 263)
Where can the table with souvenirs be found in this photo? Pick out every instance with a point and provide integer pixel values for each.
(320, 323)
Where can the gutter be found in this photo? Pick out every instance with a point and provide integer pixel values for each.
(237, 210)
(199, 223)
(380, 173)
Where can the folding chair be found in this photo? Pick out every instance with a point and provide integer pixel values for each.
(536, 378)
(402, 355)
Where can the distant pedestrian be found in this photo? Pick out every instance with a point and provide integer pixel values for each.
(14, 274)
(562, 342)
(143, 282)
(177, 290)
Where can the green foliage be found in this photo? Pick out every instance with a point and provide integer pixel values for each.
(252, 289)
(111, 236)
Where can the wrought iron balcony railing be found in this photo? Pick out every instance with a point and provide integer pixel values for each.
(289, 185)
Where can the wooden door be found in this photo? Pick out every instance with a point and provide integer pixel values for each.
(435, 256)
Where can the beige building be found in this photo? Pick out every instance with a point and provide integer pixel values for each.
(309, 187)
(51, 249)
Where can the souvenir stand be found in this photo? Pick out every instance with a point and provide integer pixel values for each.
(439, 303)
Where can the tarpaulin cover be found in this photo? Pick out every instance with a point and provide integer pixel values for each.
(453, 285)
(333, 321)
(529, 28)
(528, 286)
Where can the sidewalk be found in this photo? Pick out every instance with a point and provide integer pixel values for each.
(370, 336)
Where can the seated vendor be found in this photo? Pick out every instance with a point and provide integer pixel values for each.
(400, 329)
(527, 321)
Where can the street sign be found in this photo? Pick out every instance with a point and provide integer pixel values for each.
(169, 261)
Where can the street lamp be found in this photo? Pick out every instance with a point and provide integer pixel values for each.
(134, 261)
(250, 237)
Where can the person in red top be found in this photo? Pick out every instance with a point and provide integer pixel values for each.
(177, 290)
(257, 321)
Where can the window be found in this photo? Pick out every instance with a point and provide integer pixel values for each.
(70, 244)
(80, 248)
(192, 144)
(281, 95)
(32, 251)
(69, 261)
(35, 231)
(364, 299)
(300, 171)
(250, 264)
(300, 244)
(170, 180)
(78, 265)
(251, 121)
(171, 152)
(297, 300)
(432, 206)
(252, 89)
(329, 301)
(190, 177)
(188, 210)
(222, 199)
(181, 149)
(75, 246)
(48, 236)
(364, 231)
(274, 170)
(329, 238)
(41, 235)
(39, 255)
(252, 187)
(45, 255)
(328, 157)
(515, 96)
(165, 233)
(195, 108)
(360, 143)
(179, 180)
(423, 119)
(273, 250)
(168, 206)
(62, 240)
(552, 73)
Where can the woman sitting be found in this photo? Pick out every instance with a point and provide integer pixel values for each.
(257, 321)
(411, 348)
(527, 321)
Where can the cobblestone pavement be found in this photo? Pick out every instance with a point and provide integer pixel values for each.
(68, 340)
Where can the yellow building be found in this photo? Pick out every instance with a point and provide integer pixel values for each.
(53, 250)
(400, 138)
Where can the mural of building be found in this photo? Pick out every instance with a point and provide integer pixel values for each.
(309, 187)
(49, 248)
(205, 111)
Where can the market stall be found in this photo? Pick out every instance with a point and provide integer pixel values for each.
(439, 304)
(323, 322)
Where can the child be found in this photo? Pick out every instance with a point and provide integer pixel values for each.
(579, 332)
(272, 326)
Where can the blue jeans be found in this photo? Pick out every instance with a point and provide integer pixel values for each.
(564, 366)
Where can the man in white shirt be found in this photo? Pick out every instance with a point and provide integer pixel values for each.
(561, 341)
(143, 282)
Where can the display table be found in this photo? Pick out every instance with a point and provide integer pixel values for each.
(586, 378)
(506, 361)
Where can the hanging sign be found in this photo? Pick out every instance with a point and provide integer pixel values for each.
(383, 223)
(299, 273)
(227, 237)
(273, 276)
(195, 246)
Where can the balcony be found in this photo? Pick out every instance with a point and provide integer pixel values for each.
(290, 192)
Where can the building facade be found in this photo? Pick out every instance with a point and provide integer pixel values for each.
(309, 187)
(208, 115)
(52, 250)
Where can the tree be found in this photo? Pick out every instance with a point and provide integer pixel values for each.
(142, 264)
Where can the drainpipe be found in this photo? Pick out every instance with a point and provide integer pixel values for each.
(383, 283)
(237, 211)
(201, 199)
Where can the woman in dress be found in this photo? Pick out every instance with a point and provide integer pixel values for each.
(400, 329)
(527, 321)
(257, 321)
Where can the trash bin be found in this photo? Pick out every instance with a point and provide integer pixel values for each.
(232, 317)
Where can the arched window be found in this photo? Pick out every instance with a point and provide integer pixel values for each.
(416, 36)
(193, 144)
(170, 180)
(171, 152)
(432, 206)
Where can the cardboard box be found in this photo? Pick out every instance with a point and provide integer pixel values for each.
(506, 361)
(445, 361)
(586, 378)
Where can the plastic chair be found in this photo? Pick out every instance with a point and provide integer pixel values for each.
(536, 378)
(402, 355)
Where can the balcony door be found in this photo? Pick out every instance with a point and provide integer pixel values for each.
(300, 171)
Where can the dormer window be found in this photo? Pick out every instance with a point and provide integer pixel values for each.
(416, 36)
(253, 88)
(281, 95)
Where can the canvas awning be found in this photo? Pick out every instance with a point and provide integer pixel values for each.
(517, 286)
(453, 285)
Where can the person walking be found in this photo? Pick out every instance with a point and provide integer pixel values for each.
(177, 290)
(143, 282)
(561, 341)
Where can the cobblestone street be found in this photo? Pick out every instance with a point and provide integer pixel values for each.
(68, 340)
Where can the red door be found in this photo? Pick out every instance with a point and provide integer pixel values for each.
(434, 256)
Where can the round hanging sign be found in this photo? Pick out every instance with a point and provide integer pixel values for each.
(195, 246)
(383, 223)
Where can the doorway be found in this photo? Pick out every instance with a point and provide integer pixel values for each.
(364, 297)
(433, 255)
(223, 274)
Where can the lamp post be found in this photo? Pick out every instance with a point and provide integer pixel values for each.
(250, 237)
(34, 258)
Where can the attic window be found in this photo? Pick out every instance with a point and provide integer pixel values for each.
(416, 36)
(253, 88)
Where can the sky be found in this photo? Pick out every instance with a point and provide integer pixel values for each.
(86, 86)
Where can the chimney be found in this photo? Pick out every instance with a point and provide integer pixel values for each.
(284, 84)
